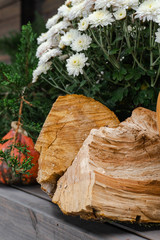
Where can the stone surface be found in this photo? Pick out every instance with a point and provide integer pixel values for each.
(116, 173)
(65, 129)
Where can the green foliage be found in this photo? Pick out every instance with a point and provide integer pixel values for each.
(15, 81)
(13, 161)
(15, 84)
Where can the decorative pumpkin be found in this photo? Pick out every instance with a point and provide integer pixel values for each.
(158, 112)
(6, 175)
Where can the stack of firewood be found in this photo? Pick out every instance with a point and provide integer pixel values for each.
(93, 166)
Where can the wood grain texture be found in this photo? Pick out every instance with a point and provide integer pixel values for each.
(64, 131)
(5, 58)
(6, 3)
(117, 170)
(10, 18)
(158, 112)
(24, 216)
(49, 8)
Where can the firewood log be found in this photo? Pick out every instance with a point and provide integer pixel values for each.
(65, 129)
(158, 112)
(116, 173)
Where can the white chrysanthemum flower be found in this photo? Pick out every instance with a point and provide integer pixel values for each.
(128, 4)
(41, 69)
(157, 20)
(148, 10)
(58, 28)
(64, 11)
(45, 46)
(42, 38)
(52, 21)
(76, 63)
(76, 2)
(157, 36)
(105, 4)
(81, 43)
(49, 54)
(83, 24)
(67, 38)
(45, 36)
(100, 17)
(120, 14)
(76, 11)
(61, 45)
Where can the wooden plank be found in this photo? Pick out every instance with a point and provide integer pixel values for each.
(154, 234)
(10, 11)
(34, 190)
(4, 3)
(49, 8)
(5, 58)
(10, 18)
(24, 216)
(10, 26)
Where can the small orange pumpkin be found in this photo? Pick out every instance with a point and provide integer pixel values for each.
(6, 176)
(158, 112)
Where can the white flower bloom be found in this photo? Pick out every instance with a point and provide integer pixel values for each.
(105, 4)
(120, 14)
(64, 11)
(76, 2)
(83, 24)
(58, 28)
(45, 46)
(157, 20)
(49, 54)
(76, 63)
(128, 4)
(55, 40)
(63, 57)
(42, 38)
(100, 17)
(76, 11)
(41, 69)
(52, 21)
(67, 38)
(148, 10)
(61, 45)
(158, 36)
(81, 43)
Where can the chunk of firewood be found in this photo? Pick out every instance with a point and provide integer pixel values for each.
(116, 173)
(158, 112)
(65, 129)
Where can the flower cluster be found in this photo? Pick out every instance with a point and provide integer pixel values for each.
(77, 16)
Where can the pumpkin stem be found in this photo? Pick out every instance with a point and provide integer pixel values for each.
(18, 123)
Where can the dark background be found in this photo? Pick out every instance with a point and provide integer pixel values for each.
(15, 13)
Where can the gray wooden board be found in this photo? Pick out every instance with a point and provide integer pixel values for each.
(36, 191)
(24, 216)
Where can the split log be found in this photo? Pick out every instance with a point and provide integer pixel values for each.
(116, 173)
(65, 129)
(158, 112)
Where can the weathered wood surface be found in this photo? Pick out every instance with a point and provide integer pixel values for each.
(158, 112)
(116, 173)
(49, 7)
(25, 216)
(10, 17)
(64, 131)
